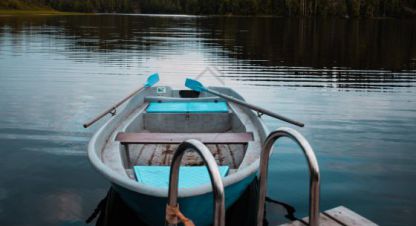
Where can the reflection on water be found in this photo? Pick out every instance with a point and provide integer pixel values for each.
(63, 207)
(351, 81)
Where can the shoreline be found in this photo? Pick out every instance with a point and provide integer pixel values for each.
(53, 12)
(38, 12)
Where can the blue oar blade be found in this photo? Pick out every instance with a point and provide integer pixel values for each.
(151, 80)
(194, 85)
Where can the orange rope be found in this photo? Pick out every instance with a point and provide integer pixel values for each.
(173, 213)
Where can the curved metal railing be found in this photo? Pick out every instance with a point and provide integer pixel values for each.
(313, 172)
(216, 182)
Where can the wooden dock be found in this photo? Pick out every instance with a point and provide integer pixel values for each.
(335, 217)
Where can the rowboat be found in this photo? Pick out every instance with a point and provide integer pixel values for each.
(134, 149)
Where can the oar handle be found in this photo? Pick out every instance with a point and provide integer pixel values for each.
(98, 117)
(113, 108)
(256, 108)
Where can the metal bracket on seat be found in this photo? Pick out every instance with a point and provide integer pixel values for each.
(214, 174)
(314, 179)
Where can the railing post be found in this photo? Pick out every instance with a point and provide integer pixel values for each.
(314, 179)
(216, 182)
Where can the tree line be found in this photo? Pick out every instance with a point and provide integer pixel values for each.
(343, 8)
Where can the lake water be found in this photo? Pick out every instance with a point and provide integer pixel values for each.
(351, 81)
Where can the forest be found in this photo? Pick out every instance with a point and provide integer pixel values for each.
(310, 8)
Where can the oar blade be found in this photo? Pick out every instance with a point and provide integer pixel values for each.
(194, 85)
(151, 80)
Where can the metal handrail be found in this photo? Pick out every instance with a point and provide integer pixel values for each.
(216, 182)
(314, 179)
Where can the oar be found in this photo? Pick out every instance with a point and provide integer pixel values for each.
(151, 80)
(197, 86)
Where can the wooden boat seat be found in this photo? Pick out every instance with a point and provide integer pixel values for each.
(176, 138)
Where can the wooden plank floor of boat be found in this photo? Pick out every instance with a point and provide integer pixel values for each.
(161, 154)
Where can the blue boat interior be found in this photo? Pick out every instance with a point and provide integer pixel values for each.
(189, 176)
(187, 107)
